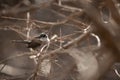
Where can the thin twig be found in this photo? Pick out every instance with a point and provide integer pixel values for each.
(41, 22)
(2, 67)
(75, 21)
(69, 8)
(60, 38)
(117, 73)
(18, 9)
(28, 28)
(97, 38)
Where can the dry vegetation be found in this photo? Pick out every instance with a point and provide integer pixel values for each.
(84, 39)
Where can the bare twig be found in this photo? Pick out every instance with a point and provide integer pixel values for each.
(97, 38)
(60, 38)
(2, 67)
(18, 9)
(69, 8)
(49, 23)
(74, 21)
(117, 73)
(41, 22)
(28, 27)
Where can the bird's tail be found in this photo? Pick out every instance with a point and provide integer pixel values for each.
(21, 41)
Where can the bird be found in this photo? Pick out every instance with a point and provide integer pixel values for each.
(38, 41)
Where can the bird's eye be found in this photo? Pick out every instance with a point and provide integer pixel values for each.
(43, 35)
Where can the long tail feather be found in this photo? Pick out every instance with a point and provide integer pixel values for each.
(21, 41)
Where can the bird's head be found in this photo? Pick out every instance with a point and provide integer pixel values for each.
(43, 37)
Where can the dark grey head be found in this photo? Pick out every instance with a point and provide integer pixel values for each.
(43, 37)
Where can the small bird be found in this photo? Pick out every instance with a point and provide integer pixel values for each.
(36, 42)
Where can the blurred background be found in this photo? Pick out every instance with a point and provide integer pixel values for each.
(86, 44)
